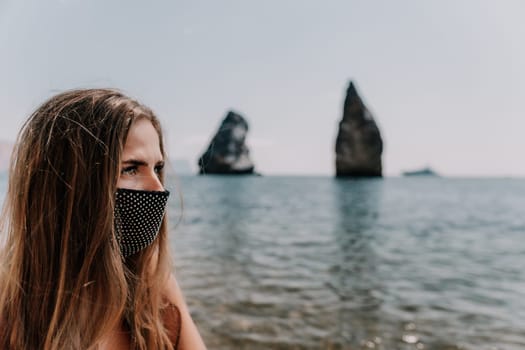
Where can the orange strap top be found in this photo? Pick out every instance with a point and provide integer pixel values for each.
(172, 322)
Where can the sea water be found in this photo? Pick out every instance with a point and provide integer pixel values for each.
(320, 263)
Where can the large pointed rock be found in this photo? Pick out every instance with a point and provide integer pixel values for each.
(227, 152)
(358, 146)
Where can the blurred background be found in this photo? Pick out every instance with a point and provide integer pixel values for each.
(444, 79)
(297, 259)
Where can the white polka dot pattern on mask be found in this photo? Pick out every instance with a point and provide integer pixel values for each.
(138, 216)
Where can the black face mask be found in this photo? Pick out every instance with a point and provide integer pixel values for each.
(138, 216)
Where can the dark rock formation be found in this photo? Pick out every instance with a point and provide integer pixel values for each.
(227, 152)
(358, 146)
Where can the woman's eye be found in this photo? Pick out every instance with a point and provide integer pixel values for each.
(159, 168)
(131, 170)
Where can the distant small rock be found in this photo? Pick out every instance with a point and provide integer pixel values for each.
(420, 172)
(359, 145)
(227, 152)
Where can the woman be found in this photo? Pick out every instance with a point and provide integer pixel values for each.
(85, 262)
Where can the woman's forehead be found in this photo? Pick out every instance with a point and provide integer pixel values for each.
(142, 140)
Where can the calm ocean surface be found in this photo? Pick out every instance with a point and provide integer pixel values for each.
(320, 263)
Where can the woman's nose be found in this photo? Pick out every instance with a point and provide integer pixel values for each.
(152, 182)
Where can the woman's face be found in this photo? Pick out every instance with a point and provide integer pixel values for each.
(142, 161)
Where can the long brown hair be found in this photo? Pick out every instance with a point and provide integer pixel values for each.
(63, 282)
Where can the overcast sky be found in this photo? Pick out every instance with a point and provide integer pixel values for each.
(445, 80)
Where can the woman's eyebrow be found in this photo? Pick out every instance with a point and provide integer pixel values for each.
(134, 162)
(140, 162)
